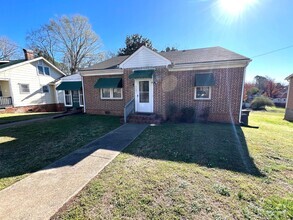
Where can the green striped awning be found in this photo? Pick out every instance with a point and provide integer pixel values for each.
(108, 83)
(138, 74)
(204, 79)
(69, 86)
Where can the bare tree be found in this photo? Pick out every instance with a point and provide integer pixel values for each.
(8, 49)
(42, 43)
(69, 40)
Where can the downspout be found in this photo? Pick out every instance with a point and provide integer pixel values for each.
(83, 93)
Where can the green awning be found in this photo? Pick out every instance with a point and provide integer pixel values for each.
(69, 86)
(138, 74)
(205, 79)
(109, 83)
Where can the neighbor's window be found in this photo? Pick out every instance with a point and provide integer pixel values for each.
(202, 92)
(111, 93)
(41, 70)
(68, 98)
(24, 88)
(47, 70)
(45, 89)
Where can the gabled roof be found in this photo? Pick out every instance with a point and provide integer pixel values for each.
(16, 63)
(202, 55)
(10, 63)
(111, 63)
(289, 77)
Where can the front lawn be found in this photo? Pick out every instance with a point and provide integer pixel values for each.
(26, 149)
(14, 117)
(196, 171)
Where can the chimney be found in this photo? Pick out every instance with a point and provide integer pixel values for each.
(28, 54)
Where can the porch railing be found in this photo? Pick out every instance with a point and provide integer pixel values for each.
(5, 101)
(129, 108)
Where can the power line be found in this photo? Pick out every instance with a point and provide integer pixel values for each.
(272, 51)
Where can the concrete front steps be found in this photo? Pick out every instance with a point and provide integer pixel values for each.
(144, 118)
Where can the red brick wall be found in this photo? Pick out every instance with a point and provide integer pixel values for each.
(176, 88)
(94, 103)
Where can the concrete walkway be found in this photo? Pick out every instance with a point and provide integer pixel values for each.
(43, 193)
(45, 118)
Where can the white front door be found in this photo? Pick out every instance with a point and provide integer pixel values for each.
(144, 100)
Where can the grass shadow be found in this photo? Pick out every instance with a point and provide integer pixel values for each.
(211, 145)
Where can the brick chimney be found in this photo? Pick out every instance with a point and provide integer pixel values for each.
(28, 54)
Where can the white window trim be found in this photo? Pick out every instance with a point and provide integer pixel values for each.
(65, 98)
(20, 84)
(45, 71)
(111, 94)
(80, 93)
(210, 93)
(41, 64)
(48, 89)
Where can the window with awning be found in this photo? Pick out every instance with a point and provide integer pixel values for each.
(204, 79)
(140, 74)
(110, 88)
(69, 86)
(108, 83)
(203, 85)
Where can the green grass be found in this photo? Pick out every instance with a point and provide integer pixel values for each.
(14, 117)
(197, 171)
(26, 149)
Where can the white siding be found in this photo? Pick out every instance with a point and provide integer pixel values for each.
(144, 57)
(28, 74)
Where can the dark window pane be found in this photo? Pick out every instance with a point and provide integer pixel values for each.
(117, 93)
(106, 93)
(47, 71)
(202, 92)
(41, 71)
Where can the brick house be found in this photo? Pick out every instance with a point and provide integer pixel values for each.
(289, 103)
(148, 82)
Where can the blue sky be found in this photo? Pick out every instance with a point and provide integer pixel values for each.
(262, 26)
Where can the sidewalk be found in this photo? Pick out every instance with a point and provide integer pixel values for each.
(24, 122)
(42, 194)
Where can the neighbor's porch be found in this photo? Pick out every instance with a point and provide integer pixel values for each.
(5, 95)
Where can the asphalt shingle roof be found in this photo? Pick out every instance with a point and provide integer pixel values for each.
(12, 62)
(202, 55)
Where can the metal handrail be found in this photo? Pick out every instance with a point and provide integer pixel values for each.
(129, 108)
(5, 101)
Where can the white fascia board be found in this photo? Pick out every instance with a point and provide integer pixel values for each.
(168, 62)
(101, 72)
(210, 65)
(289, 77)
(31, 61)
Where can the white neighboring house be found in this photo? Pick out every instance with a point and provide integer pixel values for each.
(70, 91)
(28, 84)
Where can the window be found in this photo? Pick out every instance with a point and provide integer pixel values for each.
(45, 89)
(24, 88)
(68, 98)
(202, 92)
(111, 93)
(41, 70)
(47, 70)
(80, 97)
